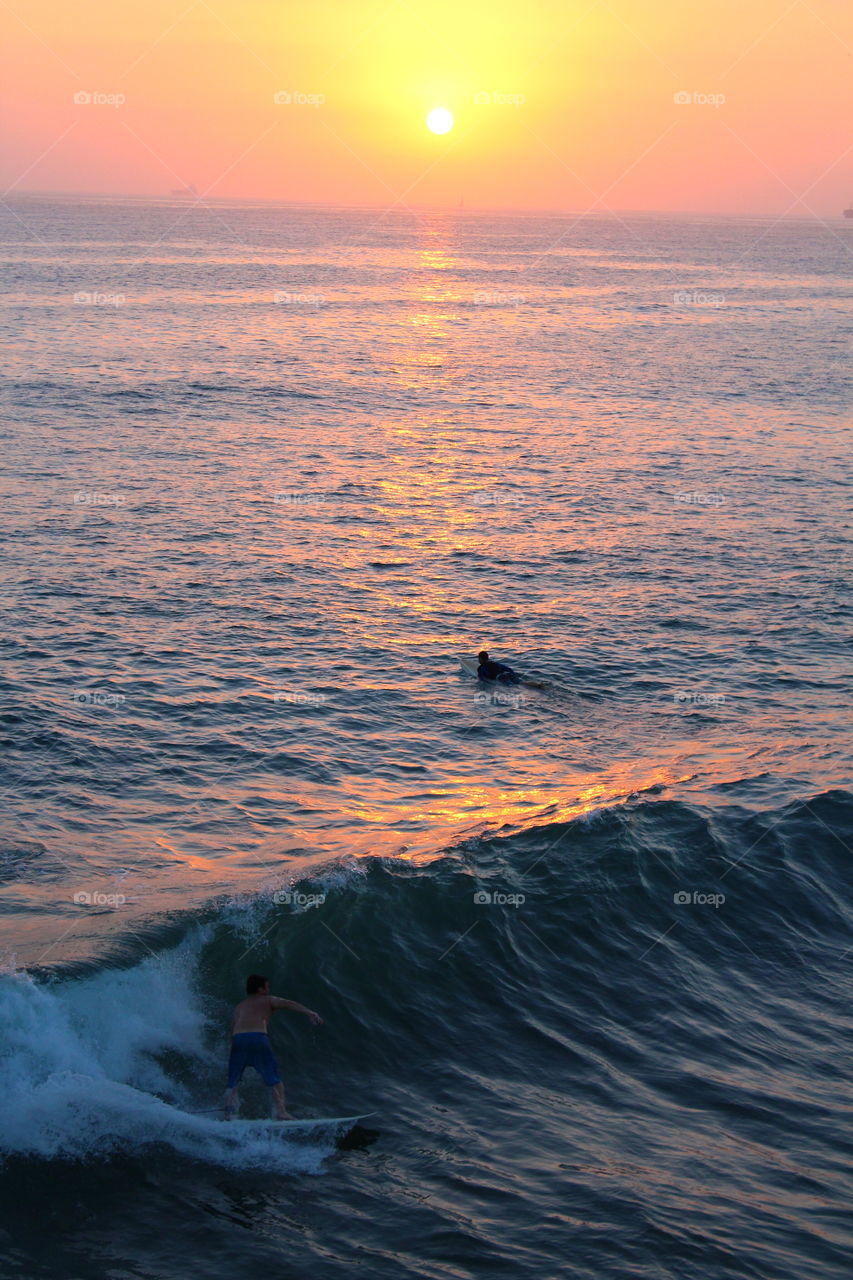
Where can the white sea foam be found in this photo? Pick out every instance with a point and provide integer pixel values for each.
(81, 1067)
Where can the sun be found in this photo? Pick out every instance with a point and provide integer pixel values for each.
(440, 120)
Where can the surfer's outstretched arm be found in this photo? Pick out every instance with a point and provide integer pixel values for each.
(278, 1003)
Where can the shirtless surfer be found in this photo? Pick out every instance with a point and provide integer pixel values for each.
(250, 1045)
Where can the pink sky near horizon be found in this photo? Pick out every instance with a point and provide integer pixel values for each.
(557, 105)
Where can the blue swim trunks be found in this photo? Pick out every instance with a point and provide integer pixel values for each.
(252, 1049)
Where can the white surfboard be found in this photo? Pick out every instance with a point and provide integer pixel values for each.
(295, 1126)
(471, 666)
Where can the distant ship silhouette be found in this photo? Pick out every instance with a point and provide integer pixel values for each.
(848, 213)
(191, 190)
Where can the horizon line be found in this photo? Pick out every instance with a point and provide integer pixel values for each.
(272, 202)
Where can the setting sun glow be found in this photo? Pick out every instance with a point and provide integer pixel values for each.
(440, 120)
(555, 104)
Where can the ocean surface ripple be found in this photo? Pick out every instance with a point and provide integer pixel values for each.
(581, 948)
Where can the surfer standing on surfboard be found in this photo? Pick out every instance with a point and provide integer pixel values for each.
(250, 1044)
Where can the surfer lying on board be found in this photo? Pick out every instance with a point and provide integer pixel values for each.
(488, 670)
(500, 673)
(250, 1045)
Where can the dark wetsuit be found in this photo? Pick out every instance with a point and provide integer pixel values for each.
(497, 671)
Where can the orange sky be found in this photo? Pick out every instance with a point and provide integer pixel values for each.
(579, 106)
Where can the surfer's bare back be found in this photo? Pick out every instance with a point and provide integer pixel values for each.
(250, 1045)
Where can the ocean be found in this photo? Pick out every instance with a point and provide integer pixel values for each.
(582, 944)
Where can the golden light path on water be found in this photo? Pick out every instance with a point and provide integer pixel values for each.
(384, 825)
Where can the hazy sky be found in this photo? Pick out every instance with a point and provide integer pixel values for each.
(557, 103)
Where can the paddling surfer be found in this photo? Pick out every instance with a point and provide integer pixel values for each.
(493, 672)
(498, 671)
(250, 1045)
